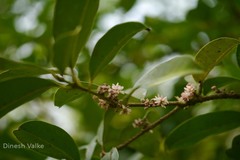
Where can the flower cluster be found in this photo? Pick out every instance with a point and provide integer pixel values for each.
(156, 101)
(112, 91)
(103, 104)
(125, 110)
(188, 93)
(140, 123)
(103, 89)
(111, 97)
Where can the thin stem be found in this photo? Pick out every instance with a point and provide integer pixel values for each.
(75, 78)
(194, 101)
(60, 78)
(148, 128)
(198, 99)
(200, 88)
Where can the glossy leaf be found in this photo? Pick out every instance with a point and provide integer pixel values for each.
(73, 22)
(110, 44)
(127, 4)
(66, 95)
(213, 53)
(16, 92)
(15, 154)
(195, 129)
(54, 141)
(176, 67)
(233, 152)
(10, 69)
(218, 82)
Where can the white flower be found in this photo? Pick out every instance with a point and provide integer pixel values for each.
(160, 101)
(115, 90)
(117, 87)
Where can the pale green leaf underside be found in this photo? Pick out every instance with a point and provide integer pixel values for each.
(11, 69)
(212, 53)
(111, 155)
(176, 67)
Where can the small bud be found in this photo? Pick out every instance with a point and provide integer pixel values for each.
(143, 123)
(180, 100)
(103, 104)
(103, 89)
(146, 103)
(125, 110)
(137, 123)
(214, 88)
(232, 92)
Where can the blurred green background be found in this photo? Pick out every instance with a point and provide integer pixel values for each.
(177, 27)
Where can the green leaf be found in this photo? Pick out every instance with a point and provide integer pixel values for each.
(10, 69)
(238, 55)
(112, 155)
(114, 125)
(176, 67)
(47, 139)
(118, 129)
(148, 144)
(20, 153)
(66, 95)
(195, 129)
(218, 82)
(16, 92)
(234, 151)
(213, 53)
(110, 44)
(127, 4)
(73, 22)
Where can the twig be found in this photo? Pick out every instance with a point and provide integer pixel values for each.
(148, 128)
(195, 100)
(198, 99)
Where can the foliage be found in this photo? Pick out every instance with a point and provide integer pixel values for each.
(142, 91)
